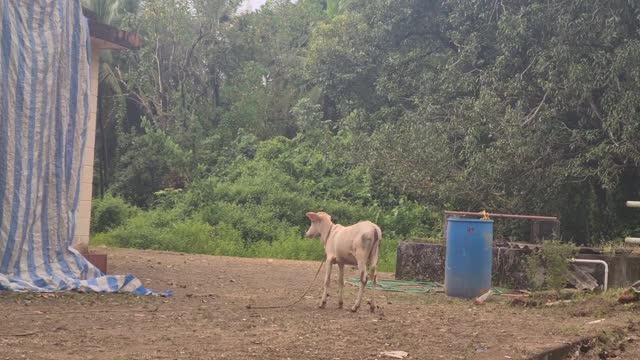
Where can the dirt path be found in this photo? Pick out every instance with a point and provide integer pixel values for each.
(207, 318)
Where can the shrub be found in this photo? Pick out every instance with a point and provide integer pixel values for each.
(410, 219)
(255, 206)
(387, 257)
(145, 230)
(290, 246)
(109, 212)
(552, 257)
(227, 241)
(190, 236)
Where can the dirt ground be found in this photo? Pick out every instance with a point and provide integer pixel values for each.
(207, 318)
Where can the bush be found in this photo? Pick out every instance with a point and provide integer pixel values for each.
(254, 223)
(552, 258)
(409, 219)
(145, 230)
(109, 212)
(290, 246)
(387, 257)
(190, 236)
(255, 207)
(137, 233)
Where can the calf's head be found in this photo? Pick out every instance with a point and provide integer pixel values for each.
(319, 223)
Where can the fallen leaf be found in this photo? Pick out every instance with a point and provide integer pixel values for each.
(395, 354)
(595, 321)
(558, 302)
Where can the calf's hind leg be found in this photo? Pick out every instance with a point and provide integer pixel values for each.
(362, 269)
(340, 284)
(373, 275)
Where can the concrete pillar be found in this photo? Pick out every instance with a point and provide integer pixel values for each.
(83, 217)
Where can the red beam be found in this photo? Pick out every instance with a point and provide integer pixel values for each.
(503, 216)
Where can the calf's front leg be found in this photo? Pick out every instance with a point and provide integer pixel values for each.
(340, 284)
(327, 278)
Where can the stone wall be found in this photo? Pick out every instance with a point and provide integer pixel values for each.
(420, 261)
(425, 262)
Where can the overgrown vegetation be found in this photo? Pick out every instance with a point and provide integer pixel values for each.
(550, 266)
(225, 128)
(258, 208)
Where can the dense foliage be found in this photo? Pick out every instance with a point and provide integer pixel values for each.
(226, 128)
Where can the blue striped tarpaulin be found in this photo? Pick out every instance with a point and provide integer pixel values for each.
(44, 113)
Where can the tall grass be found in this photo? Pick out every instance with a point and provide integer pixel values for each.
(255, 207)
(161, 230)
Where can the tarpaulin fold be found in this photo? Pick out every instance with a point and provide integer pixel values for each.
(44, 114)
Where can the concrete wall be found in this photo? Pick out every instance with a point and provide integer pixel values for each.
(624, 269)
(83, 216)
(426, 262)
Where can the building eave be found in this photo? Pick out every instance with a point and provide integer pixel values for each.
(109, 37)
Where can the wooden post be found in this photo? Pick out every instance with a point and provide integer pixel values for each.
(444, 227)
(535, 231)
(556, 230)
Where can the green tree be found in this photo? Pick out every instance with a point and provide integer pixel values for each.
(509, 106)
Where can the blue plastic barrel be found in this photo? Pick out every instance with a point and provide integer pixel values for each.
(469, 257)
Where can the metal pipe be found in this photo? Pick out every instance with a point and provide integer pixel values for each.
(505, 216)
(632, 240)
(589, 261)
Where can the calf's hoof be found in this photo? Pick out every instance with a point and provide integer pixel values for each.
(372, 306)
(340, 305)
(354, 308)
(322, 304)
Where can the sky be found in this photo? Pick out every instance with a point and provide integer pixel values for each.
(252, 4)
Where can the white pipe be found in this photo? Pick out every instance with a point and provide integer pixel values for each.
(606, 268)
(632, 240)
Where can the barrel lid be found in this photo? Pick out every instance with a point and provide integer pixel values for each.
(468, 220)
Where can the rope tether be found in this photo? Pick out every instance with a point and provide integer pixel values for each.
(295, 302)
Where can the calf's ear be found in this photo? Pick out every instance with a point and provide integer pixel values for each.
(312, 216)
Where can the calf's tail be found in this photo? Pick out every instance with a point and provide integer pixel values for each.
(375, 248)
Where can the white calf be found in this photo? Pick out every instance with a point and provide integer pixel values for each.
(353, 245)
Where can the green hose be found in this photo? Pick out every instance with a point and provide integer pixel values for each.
(410, 287)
